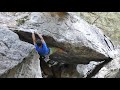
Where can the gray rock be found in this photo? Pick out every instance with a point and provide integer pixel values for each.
(17, 58)
(80, 42)
(112, 69)
(85, 70)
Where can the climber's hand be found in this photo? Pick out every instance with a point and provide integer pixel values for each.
(37, 33)
(32, 31)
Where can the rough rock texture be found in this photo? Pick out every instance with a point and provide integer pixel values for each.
(85, 70)
(109, 22)
(18, 59)
(81, 42)
(57, 71)
(55, 37)
(112, 69)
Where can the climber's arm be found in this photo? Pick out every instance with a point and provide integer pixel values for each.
(33, 37)
(43, 41)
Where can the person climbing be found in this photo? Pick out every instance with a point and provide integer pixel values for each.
(42, 49)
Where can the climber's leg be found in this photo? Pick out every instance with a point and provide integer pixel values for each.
(47, 59)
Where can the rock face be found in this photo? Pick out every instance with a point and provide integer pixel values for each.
(85, 70)
(18, 59)
(109, 22)
(80, 42)
(110, 70)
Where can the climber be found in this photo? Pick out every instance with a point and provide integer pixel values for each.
(42, 49)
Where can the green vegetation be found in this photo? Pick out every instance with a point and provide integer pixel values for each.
(53, 50)
(22, 20)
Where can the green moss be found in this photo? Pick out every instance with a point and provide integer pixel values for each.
(53, 50)
(22, 20)
(26, 17)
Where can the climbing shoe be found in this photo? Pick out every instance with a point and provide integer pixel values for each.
(51, 63)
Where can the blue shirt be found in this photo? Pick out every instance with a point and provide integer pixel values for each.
(44, 50)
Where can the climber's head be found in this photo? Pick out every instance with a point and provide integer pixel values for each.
(38, 42)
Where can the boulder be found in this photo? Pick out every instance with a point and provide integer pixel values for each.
(18, 59)
(79, 41)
